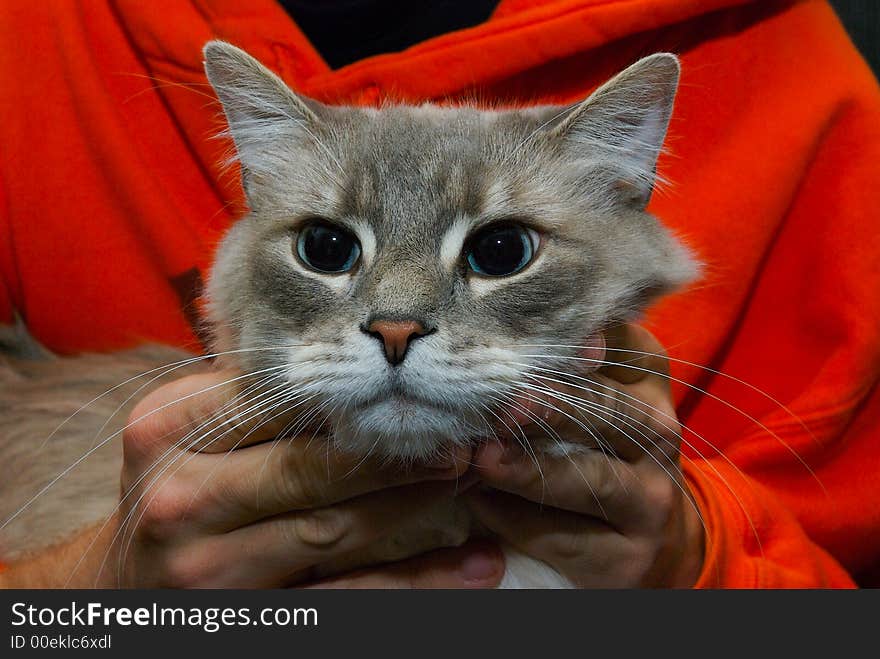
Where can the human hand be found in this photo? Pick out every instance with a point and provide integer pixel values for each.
(618, 516)
(234, 510)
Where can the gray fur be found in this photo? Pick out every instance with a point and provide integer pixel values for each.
(36, 396)
(580, 176)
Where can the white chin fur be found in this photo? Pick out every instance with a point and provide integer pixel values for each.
(400, 429)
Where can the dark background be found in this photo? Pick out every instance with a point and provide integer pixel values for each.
(862, 20)
(345, 31)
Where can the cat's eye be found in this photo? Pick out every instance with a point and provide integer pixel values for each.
(501, 250)
(326, 247)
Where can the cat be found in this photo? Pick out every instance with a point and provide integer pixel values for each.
(415, 255)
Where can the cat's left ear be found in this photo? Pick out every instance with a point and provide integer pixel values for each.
(261, 109)
(618, 131)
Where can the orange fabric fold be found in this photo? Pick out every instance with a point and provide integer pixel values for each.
(112, 202)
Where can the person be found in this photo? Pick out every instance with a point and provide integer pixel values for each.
(111, 200)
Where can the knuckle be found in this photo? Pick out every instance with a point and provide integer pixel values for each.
(663, 496)
(526, 479)
(203, 411)
(161, 416)
(570, 548)
(663, 493)
(320, 529)
(670, 432)
(665, 435)
(211, 423)
(144, 430)
(302, 483)
(162, 515)
(601, 484)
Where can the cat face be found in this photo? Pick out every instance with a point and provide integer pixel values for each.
(405, 266)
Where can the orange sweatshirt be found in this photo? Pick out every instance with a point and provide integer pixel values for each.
(111, 203)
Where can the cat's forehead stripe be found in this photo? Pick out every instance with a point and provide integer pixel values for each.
(499, 197)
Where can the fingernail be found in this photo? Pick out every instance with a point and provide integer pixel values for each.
(480, 566)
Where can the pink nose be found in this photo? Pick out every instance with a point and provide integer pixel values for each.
(396, 335)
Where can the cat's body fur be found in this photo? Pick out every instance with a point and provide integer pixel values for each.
(39, 395)
(412, 184)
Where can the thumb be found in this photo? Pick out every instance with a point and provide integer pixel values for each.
(476, 564)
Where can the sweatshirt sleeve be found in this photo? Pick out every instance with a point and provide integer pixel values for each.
(752, 540)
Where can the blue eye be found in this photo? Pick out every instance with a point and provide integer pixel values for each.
(326, 247)
(501, 250)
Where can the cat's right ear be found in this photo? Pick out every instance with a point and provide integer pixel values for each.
(617, 133)
(260, 108)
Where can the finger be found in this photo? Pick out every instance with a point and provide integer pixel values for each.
(636, 421)
(625, 420)
(477, 564)
(625, 346)
(282, 549)
(587, 483)
(261, 481)
(571, 543)
(212, 412)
